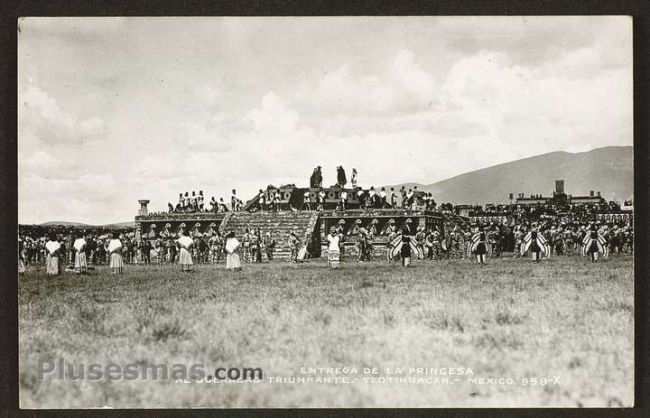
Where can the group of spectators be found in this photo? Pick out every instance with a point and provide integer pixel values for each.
(196, 203)
(78, 251)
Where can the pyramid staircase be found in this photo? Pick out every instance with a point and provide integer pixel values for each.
(279, 224)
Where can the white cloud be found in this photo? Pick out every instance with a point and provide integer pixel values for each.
(41, 118)
(273, 117)
(403, 87)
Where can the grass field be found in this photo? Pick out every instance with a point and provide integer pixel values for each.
(564, 318)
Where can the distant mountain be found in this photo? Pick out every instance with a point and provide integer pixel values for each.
(609, 170)
(63, 223)
(122, 225)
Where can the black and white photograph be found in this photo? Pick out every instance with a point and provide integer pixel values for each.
(325, 212)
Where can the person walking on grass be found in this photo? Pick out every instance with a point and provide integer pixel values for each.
(115, 250)
(185, 244)
(232, 252)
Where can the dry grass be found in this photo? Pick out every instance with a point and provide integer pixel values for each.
(510, 318)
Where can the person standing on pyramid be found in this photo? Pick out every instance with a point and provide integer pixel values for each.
(341, 179)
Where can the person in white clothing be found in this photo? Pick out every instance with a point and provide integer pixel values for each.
(333, 248)
(80, 263)
(232, 252)
(116, 262)
(52, 247)
(185, 244)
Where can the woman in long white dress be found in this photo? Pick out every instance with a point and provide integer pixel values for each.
(80, 263)
(185, 244)
(52, 247)
(333, 248)
(115, 250)
(232, 252)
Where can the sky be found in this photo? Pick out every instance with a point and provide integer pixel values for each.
(112, 110)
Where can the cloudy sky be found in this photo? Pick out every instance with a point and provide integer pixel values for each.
(112, 110)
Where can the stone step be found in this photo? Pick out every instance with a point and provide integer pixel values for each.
(279, 224)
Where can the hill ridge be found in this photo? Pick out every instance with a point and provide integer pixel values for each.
(606, 169)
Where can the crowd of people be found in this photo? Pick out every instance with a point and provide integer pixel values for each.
(79, 251)
(482, 240)
(550, 229)
(196, 203)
